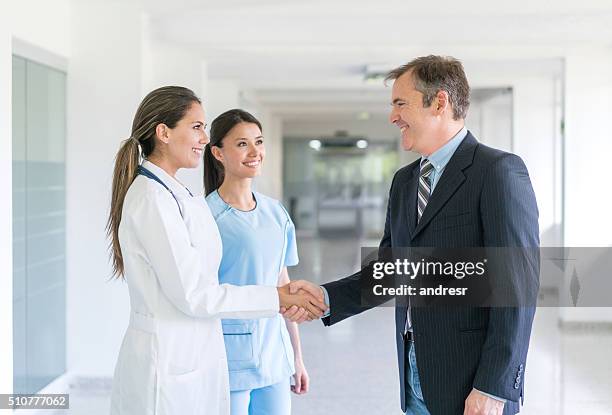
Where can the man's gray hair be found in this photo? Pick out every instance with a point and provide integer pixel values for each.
(432, 74)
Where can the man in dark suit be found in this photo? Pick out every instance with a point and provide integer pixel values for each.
(460, 193)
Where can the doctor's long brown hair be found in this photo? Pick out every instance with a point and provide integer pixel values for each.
(166, 105)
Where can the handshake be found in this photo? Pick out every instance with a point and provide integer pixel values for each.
(301, 301)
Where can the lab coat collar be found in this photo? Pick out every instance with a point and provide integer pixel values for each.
(173, 184)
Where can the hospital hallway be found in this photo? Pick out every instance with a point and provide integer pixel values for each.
(353, 369)
(345, 95)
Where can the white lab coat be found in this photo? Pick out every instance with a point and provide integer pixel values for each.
(172, 360)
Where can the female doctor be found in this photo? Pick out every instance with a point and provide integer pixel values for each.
(166, 245)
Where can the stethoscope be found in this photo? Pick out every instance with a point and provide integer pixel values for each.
(149, 174)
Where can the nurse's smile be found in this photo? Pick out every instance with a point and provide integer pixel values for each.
(252, 164)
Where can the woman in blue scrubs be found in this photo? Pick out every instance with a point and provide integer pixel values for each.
(258, 245)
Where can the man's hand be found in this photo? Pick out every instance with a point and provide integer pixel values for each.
(300, 314)
(479, 404)
(299, 305)
(314, 290)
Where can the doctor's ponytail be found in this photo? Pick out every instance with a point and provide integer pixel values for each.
(126, 164)
(166, 105)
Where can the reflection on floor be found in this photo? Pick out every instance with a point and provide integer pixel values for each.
(353, 366)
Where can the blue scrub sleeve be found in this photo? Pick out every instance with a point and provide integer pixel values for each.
(291, 254)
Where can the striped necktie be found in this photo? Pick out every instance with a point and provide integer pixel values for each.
(424, 192)
(424, 186)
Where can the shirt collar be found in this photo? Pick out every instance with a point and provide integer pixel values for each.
(173, 184)
(440, 158)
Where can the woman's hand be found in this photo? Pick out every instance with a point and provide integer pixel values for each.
(295, 314)
(302, 380)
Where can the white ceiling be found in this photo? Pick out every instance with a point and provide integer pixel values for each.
(300, 56)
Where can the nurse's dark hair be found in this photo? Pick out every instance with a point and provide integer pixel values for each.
(166, 105)
(219, 128)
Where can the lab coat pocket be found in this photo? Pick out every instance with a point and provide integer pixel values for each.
(180, 394)
(241, 344)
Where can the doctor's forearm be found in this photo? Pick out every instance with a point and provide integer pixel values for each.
(283, 277)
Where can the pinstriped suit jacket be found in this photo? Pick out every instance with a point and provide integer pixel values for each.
(483, 199)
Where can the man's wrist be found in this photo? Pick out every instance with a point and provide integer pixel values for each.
(326, 295)
(497, 398)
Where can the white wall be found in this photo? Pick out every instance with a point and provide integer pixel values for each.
(588, 109)
(171, 64)
(104, 90)
(490, 120)
(6, 217)
(221, 95)
(271, 180)
(588, 148)
(42, 23)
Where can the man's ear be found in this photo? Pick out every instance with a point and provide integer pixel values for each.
(162, 133)
(441, 102)
(216, 152)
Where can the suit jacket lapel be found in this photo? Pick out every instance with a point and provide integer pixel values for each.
(451, 179)
(409, 195)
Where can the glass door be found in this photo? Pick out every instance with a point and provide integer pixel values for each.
(39, 225)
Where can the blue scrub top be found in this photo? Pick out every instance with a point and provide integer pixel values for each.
(257, 244)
